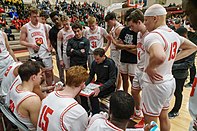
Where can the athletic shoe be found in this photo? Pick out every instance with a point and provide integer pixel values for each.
(172, 114)
(188, 85)
(140, 124)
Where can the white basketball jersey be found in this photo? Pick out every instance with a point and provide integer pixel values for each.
(171, 42)
(141, 50)
(8, 78)
(96, 38)
(37, 35)
(66, 36)
(3, 50)
(102, 125)
(62, 114)
(16, 97)
(113, 30)
(193, 104)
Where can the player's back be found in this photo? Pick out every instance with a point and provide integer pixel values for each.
(62, 113)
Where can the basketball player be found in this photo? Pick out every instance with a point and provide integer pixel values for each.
(135, 21)
(193, 106)
(7, 56)
(121, 108)
(65, 113)
(161, 46)
(22, 101)
(11, 74)
(95, 34)
(189, 6)
(116, 28)
(9, 77)
(127, 42)
(35, 37)
(62, 39)
(43, 17)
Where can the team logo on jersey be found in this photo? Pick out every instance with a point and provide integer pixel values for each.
(36, 34)
(93, 38)
(39, 41)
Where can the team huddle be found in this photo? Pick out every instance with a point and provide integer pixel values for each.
(142, 52)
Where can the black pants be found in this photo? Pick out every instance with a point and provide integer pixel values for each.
(11, 36)
(94, 102)
(178, 94)
(192, 73)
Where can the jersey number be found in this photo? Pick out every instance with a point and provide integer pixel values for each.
(138, 54)
(43, 123)
(7, 71)
(173, 49)
(93, 43)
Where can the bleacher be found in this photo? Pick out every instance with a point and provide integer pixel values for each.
(15, 45)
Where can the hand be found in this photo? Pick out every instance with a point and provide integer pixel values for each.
(71, 50)
(148, 127)
(62, 63)
(153, 75)
(82, 50)
(35, 47)
(49, 48)
(96, 92)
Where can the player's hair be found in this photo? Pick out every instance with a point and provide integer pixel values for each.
(91, 20)
(44, 14)
(64, 18)
(99, 51)
(76, 75)
(33, 10)
(135, 16)
(127, 13)
(28, 69)
(110, 16)
(77, 25)
(121, 105)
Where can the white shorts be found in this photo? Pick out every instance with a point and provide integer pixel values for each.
(66, 60)
(156, 97)
(90, 60)
(4, 64)
(126, 68)
(137, 80)
(48, 63)
(115, 55)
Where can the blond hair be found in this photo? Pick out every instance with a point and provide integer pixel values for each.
(64, 18)
(76, 75)
(91, 20)
(33, 10)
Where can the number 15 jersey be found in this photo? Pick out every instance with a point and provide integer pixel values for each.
(171, 42)
(61, 113)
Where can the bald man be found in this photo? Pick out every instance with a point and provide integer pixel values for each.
(161, 46)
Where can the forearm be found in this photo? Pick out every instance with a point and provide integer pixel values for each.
(126, 47)
(134, 51)
(154, 62)
(59, 50)
(108, 84)
(25, 43)
(12, 54)
(184, 53)
(107, 46)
